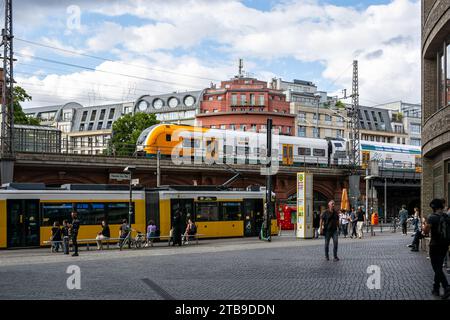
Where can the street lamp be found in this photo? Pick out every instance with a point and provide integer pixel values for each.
(129, 170)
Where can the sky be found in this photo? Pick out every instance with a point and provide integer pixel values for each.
(98, 51)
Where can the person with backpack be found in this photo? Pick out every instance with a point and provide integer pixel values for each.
(439, 225)
(403, 216)
(329, 226)
(56, 236)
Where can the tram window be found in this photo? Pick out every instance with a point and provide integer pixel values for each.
(228, 150)
(207, 211)
(168, 137)
(319, 152)
(187, 143)
(51, 212)
(119, 211)
(231, 211)
(304, 151)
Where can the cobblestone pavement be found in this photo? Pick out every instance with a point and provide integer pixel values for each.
(285, 268)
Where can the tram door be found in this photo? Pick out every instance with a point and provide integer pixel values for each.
(253, 217)
(23, 223)
(186, 206)
(287, 155)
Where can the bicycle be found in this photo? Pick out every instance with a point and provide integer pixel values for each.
(136, 242)
(394, 225)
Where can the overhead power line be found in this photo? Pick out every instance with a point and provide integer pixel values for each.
(110, 60)
(103, 71)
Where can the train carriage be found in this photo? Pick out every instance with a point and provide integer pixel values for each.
(28, 211)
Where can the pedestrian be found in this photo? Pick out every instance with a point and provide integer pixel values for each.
(361, 219)
(151, 233)
(344, 222)
(124, 231)
(316, 224)
(403, 216)
(373, 222)
(191, 230)
(177, 228)
(65, 236)
(103, 235)
(438, 245)
(329, 225)
(353, 222)
(418, 235)
(74, 227)
(56, 236)
(416, 220)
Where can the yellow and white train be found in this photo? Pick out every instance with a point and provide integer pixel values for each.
(28, 211)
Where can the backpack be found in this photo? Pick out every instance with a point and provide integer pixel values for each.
(193, 228)
(444, 228)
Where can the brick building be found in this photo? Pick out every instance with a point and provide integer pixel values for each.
(435, 101)
(245, 103)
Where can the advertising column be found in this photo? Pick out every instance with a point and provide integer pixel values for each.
(304, 205)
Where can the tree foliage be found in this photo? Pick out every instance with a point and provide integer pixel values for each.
(20, 95)
(126, 131)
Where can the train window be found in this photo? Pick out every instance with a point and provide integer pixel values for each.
(168, 137)
(119, 211)
(231, 211)
(228, 150)
(319, 152)
(304, 151)
(51, 212)
(186, 143)
(338, 144)
(206, 211)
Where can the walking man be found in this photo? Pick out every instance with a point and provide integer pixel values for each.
(316, 224)
(329, 226)
(438, 245)
(353, 221)
(403, 216)
(74, 227)
(361, 219)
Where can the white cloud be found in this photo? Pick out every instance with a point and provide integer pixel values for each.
(384, 38)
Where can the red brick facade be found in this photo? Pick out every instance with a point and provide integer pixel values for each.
(245, 104)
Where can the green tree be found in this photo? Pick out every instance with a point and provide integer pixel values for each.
(20, 95)
(126, 131)
(340, 104)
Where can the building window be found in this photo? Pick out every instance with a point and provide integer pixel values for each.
(234, 99)
(252, 99)
(91, 125)
(109, 125)
(102, 114)
(261, 100)
(232, 126)
(82, 127)
(288, 130)
(315, 132)
(243, 100)
(93, 115)
(223, 127)
(254, 127)
(83, 118)
(416, 142)
(327, 119)
(67, 116)
(243, 127)
(339, 133)
(415, 128)
(302, 117)
(111, 114)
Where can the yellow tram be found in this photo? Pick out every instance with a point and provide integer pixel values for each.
(28, 211)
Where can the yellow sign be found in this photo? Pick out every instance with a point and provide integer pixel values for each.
(304, 205)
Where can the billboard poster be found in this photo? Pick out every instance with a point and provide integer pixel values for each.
(304, 205)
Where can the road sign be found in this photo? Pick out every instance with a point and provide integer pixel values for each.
(119, 176)
(134, 182)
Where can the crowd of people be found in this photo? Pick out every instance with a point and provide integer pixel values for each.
(181, 233)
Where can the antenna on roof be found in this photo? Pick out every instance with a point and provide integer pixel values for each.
(241, 66)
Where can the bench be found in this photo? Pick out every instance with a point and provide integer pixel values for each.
(115, 240)
(86, 241)
(169, 238)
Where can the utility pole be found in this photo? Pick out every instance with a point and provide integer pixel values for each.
(266, 227)
(354, 140)
(7, 110)
(158, 169)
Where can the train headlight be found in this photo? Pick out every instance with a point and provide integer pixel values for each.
(140, 148)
